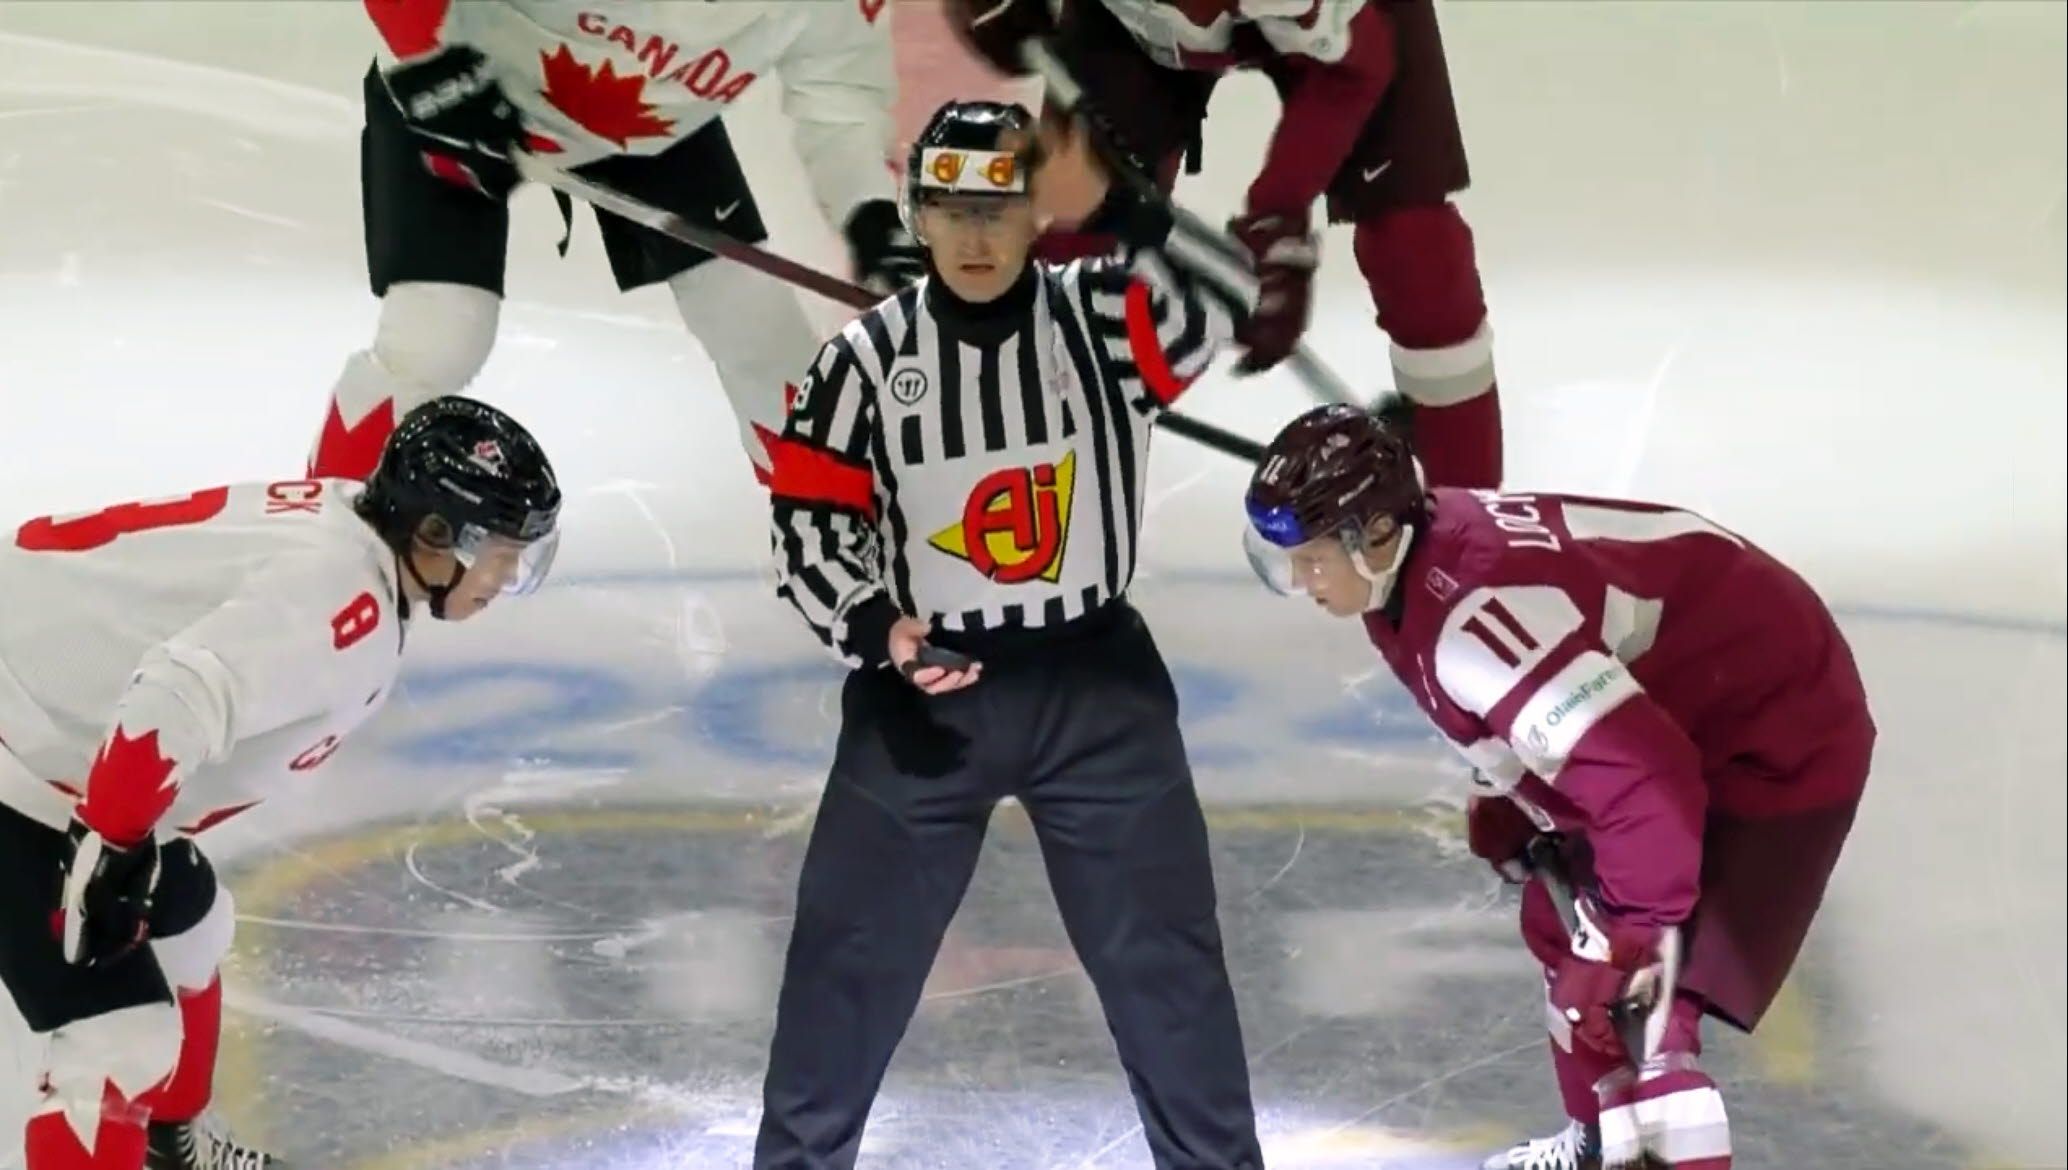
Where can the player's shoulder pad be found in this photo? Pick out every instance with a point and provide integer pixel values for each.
(1493, 636)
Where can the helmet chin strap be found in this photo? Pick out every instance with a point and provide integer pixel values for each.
(1381, 579)
(435, 594)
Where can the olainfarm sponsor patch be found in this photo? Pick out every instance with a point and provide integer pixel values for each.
(1566, 706)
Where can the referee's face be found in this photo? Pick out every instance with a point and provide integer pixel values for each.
(979, 242)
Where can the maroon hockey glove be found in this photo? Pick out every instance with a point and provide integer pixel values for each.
(1499, 833)
(1285, 254)
(453, 104)
(1594, 980)
(105, 894)
(996, 30)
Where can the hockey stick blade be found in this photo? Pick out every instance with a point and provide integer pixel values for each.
(804, 276)
(1320, 378)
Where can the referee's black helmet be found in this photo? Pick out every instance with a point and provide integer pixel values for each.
(969, 148)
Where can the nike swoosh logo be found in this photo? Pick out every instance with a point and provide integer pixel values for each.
(1371, 173)
(725, 212)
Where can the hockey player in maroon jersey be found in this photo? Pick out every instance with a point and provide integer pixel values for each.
(1673, 702)
(632, 95)
(162, 664)
(1368, 121)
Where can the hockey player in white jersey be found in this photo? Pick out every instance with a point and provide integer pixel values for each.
(160, 662)
(631, 95)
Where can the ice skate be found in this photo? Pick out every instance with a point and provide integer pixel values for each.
(202, 1145)
(1576, 1147)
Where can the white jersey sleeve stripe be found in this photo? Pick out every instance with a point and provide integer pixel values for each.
(1629, 623)
(1592, 522)
(1566, 707)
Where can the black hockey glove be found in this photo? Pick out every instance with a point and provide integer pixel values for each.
(886, 257)
(468, 126)
(1131, 216)
(105, 896)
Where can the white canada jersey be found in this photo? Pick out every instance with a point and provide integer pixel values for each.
(257, 623)
(595, 78)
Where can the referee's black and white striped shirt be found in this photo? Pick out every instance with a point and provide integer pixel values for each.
(983, 470)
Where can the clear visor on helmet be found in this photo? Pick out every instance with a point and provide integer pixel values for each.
(1273, 565)
(516, 566)
(1268, 539)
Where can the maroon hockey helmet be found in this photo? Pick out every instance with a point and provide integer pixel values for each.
(1331, 471)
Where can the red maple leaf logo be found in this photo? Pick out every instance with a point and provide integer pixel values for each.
(352, 451)
(129, 787)
(610, 107)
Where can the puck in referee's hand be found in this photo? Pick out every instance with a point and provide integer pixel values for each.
(932, 655)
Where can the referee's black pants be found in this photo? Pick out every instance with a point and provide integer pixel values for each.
(1080, 724)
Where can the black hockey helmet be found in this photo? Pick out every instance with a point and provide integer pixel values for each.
(477, 472)
(1333, 471)
(968, 148)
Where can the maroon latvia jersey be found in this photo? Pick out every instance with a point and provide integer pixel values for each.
(1622, 670)
(1331, 60)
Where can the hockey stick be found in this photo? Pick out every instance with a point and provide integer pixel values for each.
(1641, 1031)
(1641, 1027)
(1206, 434)
(669, 224)
(804, 276)
(1321, 380)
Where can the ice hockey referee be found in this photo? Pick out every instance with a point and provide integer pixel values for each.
(957, 496)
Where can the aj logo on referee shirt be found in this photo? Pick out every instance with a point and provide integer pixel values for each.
(1015, 524)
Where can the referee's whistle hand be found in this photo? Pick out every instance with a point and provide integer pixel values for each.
(907, 636)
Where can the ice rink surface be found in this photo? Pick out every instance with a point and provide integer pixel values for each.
(1798, 266)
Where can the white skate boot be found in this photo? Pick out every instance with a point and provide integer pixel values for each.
(1576, 1147)
(201, 1145)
